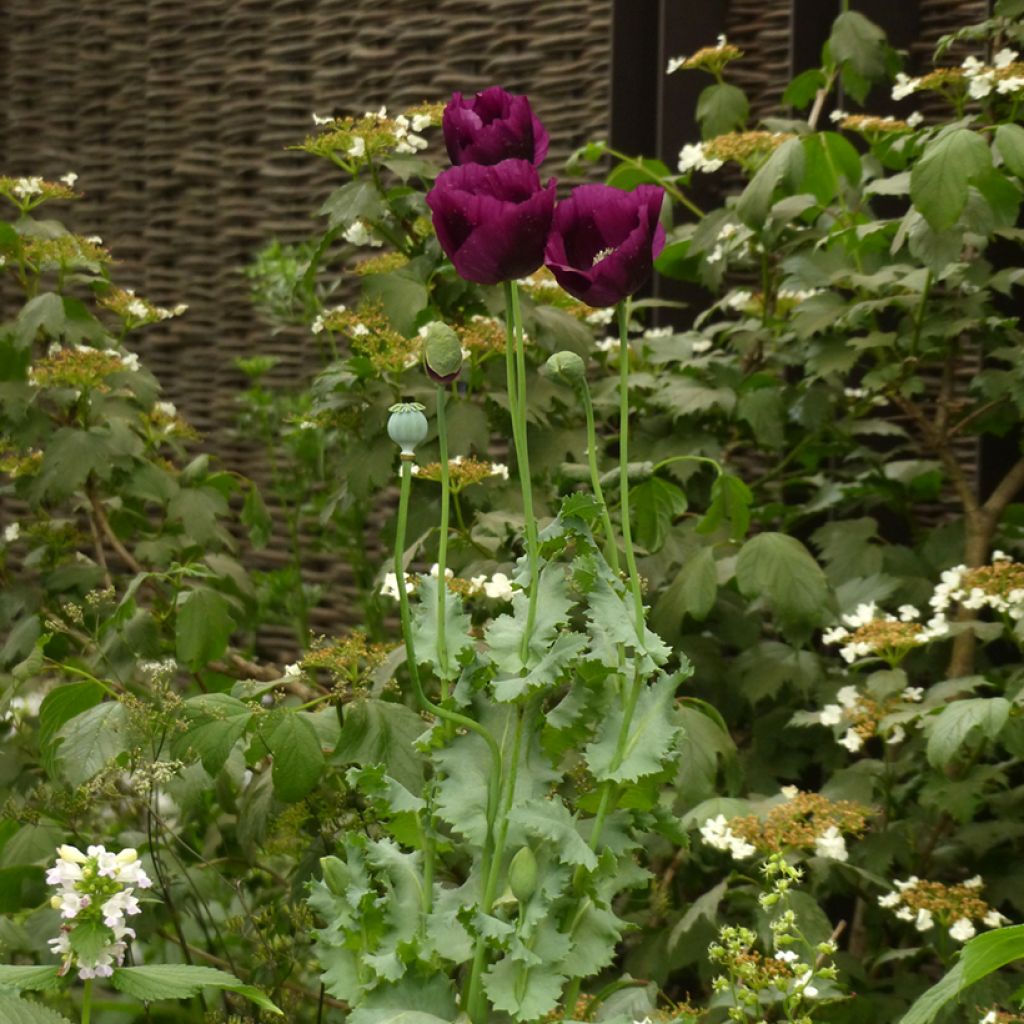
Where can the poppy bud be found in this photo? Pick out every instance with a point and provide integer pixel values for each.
(566, 368)
(442, 352)
(336, 874)
(407, 426)
(522, 874)
(492, 126)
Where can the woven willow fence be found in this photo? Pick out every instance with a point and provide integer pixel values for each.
(176, 118)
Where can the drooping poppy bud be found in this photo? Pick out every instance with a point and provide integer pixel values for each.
(492, 222)
(407, 426)
(566, 368)
(522, 874)
(604, 241)
(492, 126)
(442, 352)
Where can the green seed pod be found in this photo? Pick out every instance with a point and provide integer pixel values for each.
(566, 368)
(407, 426)
(522, 874)
(442, 352)
(336, 874)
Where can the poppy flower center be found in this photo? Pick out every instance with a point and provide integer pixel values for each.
(603, 254)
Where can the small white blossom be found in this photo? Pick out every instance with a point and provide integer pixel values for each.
(838, 115)
(889, 900)
(12, 532)
(981, 86)
(848, 697)
(357, 234)
(319, 121)
(294, 670)
(897, 735)
(908, 613)
(700, 346)
(692, 157)
(962, 929)
(831, 844)
(925, 920)
(831, 714)
(138, 308)
(129, 360)
(69, 179)
(1005, 57)
(916, 119)
(787, 955)
(993, 919)
(974, 882)
(435, 570)
(790, 792)
(24, 188)
(990, 1018)
(674, 64)
(853, 741)
(1010, 85)
(601, 316)
(499, 587)
(499, 469)
(389, 588)
(905, 86)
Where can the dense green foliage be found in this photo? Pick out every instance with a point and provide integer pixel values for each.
(774, 772)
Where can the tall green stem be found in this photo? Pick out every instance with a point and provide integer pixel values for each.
(447, 715)
(611, 548)
(87, 1002)
(622, 314)
(442, 546)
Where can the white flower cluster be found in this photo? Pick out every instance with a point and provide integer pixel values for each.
(717, 833)
(143, 310)
(318, 325)
(25, 188)
(731, 238)
(957, 587)
(983, 80)
(692, 157)
(858, 641)
(601, 316)
(12, 532)
(92, 887)
(497, 468)
(923, 918)
(831, 844)
(675, 63)
(497, 587)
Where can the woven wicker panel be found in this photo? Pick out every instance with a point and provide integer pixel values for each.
(760, 28)
(176, 117)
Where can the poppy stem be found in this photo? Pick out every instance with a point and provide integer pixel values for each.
(622, 315)
(442, 545)
(516, 372)
(611, 547)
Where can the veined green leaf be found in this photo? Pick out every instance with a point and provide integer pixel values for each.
(22, 1011)
(939, 180)
(215, 722)
(181, 981)
(91, 740)
(29, 979)
(298, 757)
(948, 732)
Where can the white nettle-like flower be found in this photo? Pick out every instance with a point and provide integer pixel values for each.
(12, 532)
(862, 615)
(831, 844)
(1008, 86)
(913, 694)
(962, 929)
(908, 613)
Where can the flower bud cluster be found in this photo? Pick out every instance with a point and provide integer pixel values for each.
(861, 716)
(95, 891)
(462, 471)
(497, 587)
(803, 821)
(709, 58)
(80, 367)
(28, 192)
(868, 631)
(370, 336)
(375, 134)
(136, 311)
(999, 586)
(954, 907)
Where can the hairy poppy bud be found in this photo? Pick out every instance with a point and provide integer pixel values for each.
(407, 426)
(522, 874)
(442, 352)
(566, 368)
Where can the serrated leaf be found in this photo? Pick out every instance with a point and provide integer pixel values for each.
(23, 1011)
(182, 981)
(41, 313)
(731, 499)
(722, 108)
(656, 504)
(29, 979)
(383, 732)
(526, 992)
(649, 739)
(546, 672)
(256, 518)
(781, 569)
(550, 819)
(70, 456)
(949, 730)
(786, 162)
(358, 198)
(860, 43)
(458, 624)
(202, 627)
(298, 759)
(214, 724)
(802, 89)
(91, 740)
(403, 295)
(939, 180)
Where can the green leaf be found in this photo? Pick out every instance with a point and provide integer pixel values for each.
(764, 410)
(181, 981)
(91, 740)
(949, 730)
(649, 740)
(383, 732)
(43, 312)
(780, 568)
(60, 705)
(393, 1016)
(458, 624)
(22, 1011)
(697, 584)
(1010, 143)
(860, 43)
(214, 722)
(70, 456)
(403, 294)
(786, 163)
(526, 992)
(731, 499)
(358, 198)
(656, 505)
(722, 108)
(202, 627)
(981, 956)
(298, 758)
(550, 819)
(29, 979)
(89, 938)
(939, 180)
(256, 518)
(628, 175)
(802, 89)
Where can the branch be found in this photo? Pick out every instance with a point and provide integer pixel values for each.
(108, 531)
(97, 544)
(1006, 490)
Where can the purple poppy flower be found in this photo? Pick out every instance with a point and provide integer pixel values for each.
(492, 222)
(604, 241)
(493, 126)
